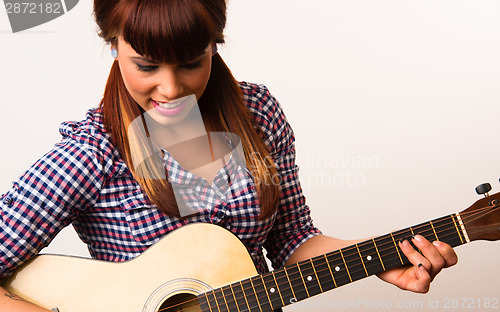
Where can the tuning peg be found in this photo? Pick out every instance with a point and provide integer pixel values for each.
(483, 189)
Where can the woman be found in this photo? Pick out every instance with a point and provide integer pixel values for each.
(175, 140)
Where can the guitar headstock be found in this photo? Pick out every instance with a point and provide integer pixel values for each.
(482, 219)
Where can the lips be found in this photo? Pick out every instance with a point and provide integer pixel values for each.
(169, 108)
(169, 105)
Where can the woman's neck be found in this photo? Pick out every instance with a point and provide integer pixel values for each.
(190, 127)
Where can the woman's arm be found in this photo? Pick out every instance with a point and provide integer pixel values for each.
(10, 302)
(417, 278)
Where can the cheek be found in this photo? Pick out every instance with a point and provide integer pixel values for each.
(136, 86)
(200, 82)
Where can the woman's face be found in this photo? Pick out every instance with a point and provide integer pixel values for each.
(166, 91)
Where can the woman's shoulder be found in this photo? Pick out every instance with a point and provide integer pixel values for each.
(259, 99)
(253, 90)
(92, 124)
(88, 132)
(89, 135)
(268, 114)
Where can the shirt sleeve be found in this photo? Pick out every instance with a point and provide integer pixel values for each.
(48, 196)
(293, 223)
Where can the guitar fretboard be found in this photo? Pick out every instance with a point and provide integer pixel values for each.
(279, 288)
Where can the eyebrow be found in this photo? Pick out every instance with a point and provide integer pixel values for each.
(142, 58)
(145, 59)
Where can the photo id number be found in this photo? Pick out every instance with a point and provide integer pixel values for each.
(33, 8)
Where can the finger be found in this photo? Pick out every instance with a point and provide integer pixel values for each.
(448, 254)
(414, 256)
(431, 253)
(423, 281)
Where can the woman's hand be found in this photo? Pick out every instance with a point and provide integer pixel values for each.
(417, 278)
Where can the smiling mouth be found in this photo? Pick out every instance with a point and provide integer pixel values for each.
(169, 105)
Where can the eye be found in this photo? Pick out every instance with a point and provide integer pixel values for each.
(191, 66)
(145, 68)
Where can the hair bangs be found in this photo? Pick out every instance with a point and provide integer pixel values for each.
(173, 31)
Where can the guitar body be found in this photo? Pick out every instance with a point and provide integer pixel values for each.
(204, 265)
(191, 260)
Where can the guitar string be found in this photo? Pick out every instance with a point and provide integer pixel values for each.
(353, 269)
(277, 299)
(274, 303)
(213, 304)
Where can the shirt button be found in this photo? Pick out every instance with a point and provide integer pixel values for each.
(7, 200)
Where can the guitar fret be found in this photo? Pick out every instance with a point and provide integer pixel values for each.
(302, 277)
(225, 301)
(448, 230)
(312, 284)
(354, 263)
(434, 230)
(245, 296)
(370, 257)
(329, 268)
(256, 295)
(397, 249)
(286, 292)
(220, 300)
(298, 287)
(411, 240)
(316, 274)
(426, 230)
(340, 273)
(345, 265)
(270, 286)
(215, 301)
(458, 231)
(290, 283)
(404, 234)
(380, 258)
(389, 251)
(240, 298)
(230, 298)
(203, 300)
(277, 286)
(361, 257)
(322, 273)
(261, 292)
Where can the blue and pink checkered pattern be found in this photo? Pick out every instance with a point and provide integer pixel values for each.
(83, 181)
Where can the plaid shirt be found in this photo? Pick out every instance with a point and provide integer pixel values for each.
(83, 181)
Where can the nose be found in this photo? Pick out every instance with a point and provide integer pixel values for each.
(170, 86)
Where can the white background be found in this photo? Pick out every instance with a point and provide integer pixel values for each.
(395, 107)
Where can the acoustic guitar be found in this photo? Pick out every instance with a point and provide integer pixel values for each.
(203, 267)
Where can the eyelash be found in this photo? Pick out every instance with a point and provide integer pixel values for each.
(189, 66)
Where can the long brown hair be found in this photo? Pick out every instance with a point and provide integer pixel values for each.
(176, 31)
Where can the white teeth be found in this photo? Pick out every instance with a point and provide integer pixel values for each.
(169, 106)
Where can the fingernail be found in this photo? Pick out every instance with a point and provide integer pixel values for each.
(405, 243)
(436, 243)
(418, 237)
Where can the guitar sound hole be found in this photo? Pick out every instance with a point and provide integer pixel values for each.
(181, 302)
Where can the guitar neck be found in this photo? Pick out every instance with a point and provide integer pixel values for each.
(305, 279)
